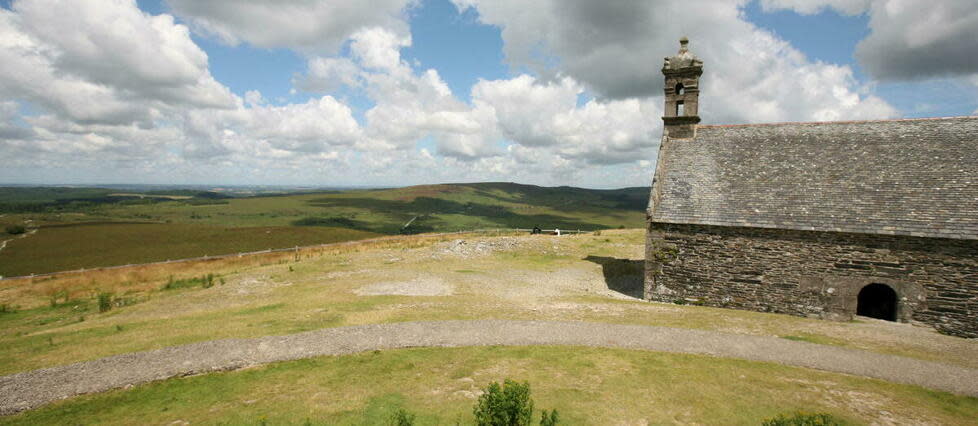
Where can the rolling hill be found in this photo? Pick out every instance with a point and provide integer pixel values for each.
(96, 227)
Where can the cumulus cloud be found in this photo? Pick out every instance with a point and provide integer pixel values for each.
(914, 40)
(584, 108)
(752, 76)
(908, 40)
(537, 114)
(315, 126)
(81, 69)
(808, 7)
(9, 129)
(328, 74)
(317, 27)
(158, 56)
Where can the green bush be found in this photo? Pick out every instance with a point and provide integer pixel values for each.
(506, 405)
(15, 229)
(803, 419)
(104, 302)
(401, 418)
(550, 419)
(205, 281)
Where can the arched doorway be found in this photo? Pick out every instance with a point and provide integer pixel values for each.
(877, 301)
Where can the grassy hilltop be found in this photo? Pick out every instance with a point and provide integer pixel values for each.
(57, 321)
(93, 227)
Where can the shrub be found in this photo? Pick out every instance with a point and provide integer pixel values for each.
(104, 302)
(7, 309)
(60, 294)
(679, 301)
(205, 281)
(506, 405)
(401, 417)
(803, 419)
(15, 229)
(549, 419)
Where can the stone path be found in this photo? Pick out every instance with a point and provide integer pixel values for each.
(24, 391)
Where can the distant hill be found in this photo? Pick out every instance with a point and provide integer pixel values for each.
(92, 227)
(450, 207)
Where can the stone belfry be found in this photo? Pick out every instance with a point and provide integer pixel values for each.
(682, 73)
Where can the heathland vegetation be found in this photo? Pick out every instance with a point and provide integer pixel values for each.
(95, 227)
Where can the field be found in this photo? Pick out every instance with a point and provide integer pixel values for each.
(577, 278)
(113, 227)
(74, 246)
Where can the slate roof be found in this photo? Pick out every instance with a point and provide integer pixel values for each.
(915, 177)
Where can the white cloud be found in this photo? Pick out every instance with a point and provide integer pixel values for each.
(315, 126)
(808, 7)
(315, 27)
(75, 65)
(328, 74)
(909, 39)
(751, 75)
(9, 129)
(915, 40)
(537, 114)
(140, 90)
(379, 48)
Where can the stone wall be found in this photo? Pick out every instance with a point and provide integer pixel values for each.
(817, 274)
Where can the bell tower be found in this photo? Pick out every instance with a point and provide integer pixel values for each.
(682, 90)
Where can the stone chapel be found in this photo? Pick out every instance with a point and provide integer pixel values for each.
(829, 219)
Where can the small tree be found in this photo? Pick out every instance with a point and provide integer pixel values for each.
(506, 405)
(104, 302)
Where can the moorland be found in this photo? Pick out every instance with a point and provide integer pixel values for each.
(63, 228)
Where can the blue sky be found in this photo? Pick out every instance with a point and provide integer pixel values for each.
(424, 91)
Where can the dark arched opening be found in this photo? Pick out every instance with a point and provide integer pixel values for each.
(877, 301)
(680, 89)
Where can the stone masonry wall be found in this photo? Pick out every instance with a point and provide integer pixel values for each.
(816, 274)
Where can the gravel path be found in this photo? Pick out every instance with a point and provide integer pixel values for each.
(31, 389)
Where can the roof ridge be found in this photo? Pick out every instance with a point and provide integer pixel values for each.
(811, 123)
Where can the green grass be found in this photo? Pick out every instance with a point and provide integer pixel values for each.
(586, 385)
(88, 246)
(266, 298)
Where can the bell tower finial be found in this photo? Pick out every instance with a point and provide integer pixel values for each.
(682, 92)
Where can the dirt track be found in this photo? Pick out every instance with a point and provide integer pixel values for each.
(24, 391)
